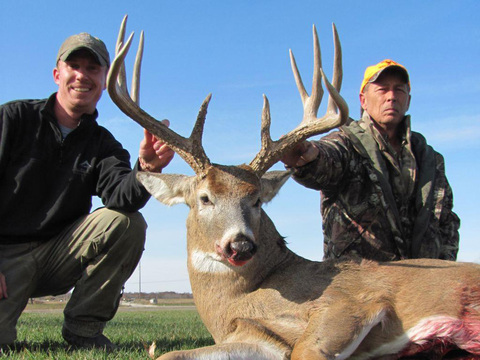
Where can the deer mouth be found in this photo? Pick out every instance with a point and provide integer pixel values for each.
(238, 252)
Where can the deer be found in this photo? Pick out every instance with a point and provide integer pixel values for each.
(260, 300)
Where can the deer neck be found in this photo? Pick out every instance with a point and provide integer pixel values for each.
(208, 273)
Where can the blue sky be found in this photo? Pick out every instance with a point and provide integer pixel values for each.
(238, 50)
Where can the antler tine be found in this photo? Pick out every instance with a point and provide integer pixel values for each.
(262, 160)
(266, 122)
(268, 154)
(337, 69)
(189, 149)
(332, 118)
(137, 69)
(317, 90)
(122, 78)
(272, 151)
(196, 135)
(310, 103)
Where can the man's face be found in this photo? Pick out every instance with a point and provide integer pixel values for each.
(386, 100)
(81, 81)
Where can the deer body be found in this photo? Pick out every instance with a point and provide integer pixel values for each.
(257, 298)
(270, 303)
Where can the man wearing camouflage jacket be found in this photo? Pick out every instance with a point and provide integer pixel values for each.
(384, 192)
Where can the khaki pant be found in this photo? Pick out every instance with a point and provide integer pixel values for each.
(96, 255)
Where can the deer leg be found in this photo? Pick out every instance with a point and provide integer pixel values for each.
(337, 330)
(238, 351)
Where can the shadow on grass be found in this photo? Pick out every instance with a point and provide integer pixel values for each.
(139, 347)
(31, 347)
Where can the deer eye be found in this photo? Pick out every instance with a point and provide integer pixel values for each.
(258, 203)
(205, 200)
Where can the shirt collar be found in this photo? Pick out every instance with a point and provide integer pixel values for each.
(49, 109)
(368, 125)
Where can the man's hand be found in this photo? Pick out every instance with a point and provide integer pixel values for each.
(154, 155)
(300, 155)
(3, 287)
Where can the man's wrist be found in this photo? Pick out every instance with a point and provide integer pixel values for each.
(145, 166)
(297, 171)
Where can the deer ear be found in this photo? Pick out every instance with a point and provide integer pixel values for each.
(169, 189)
(272, 181)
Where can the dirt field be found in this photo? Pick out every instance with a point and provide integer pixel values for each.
(170, 304)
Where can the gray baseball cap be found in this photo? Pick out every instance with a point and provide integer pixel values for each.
(84, 41)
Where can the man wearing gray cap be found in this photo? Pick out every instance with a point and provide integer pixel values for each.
(384, 193)
(53, 158)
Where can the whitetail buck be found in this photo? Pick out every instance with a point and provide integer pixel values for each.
(258, 299)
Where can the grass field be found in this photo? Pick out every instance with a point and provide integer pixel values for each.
(39, 333)
(170, 326)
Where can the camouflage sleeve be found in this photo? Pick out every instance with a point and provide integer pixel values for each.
(449, 222)
(329, 168)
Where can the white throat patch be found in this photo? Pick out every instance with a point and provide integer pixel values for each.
(208, 262)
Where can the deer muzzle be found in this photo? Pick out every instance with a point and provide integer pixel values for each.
(238, 251)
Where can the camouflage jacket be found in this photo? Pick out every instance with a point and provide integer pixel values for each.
(363, 211)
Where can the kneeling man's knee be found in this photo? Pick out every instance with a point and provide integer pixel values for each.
(128, 228)
(136, 224)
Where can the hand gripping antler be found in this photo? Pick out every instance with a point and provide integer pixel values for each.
(191, 149)
(272, 151)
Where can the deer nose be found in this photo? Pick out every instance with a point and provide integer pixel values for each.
(243, 246)
(240, 250)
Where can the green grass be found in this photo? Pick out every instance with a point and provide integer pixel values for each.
(39, 335)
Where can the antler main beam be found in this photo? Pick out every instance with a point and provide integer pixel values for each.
(190, 149)
(336, 114)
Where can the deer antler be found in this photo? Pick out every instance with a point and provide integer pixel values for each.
(191, 149)
(272, 151)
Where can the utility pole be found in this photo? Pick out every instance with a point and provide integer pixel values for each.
(139, 278)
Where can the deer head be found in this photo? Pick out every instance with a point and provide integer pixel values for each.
(225, 201)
